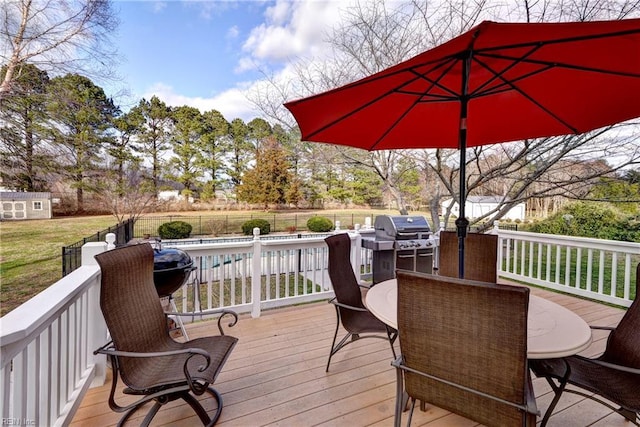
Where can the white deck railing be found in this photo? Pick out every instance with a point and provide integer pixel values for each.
(47, 349)
(47, 343)
(290, 271)
(602, 270)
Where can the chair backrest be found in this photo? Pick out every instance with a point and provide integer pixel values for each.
(623, 345)
(472, 334)
(343, 279)
(131, 306)
(480, 256)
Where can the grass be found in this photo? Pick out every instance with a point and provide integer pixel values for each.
(31, 251)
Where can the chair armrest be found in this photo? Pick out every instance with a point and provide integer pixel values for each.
(604, 328)
(365, 285)
(109, 350)
(609, 365)
(221, 312)
(348, 307)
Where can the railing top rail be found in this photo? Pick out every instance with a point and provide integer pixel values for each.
(631, 247)
(210, 246)
(32, 316)
(289, 242)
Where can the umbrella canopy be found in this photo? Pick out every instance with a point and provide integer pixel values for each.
(497, 82)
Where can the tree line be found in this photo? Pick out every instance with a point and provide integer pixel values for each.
(60, 131)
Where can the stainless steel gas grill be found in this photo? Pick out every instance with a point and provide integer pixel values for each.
(401, 242)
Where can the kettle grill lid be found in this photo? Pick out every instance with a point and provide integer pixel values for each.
(170, 258)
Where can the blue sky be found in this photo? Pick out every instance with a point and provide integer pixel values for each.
(208, 53)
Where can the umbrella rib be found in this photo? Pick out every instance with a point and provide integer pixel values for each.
(433, 83)
(354, 111)
(390, 128)
(511, 83)
(485, 51)
(558, 64)
(496, 75)
(450, 63)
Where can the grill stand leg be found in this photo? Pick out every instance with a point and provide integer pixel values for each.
(178, 319)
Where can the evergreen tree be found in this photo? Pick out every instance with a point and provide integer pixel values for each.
(22, 112)
(268, 181)
(241, 151)
(154, 133)
(81, 118)
(186, 141)
(122, 148)
(214, 145)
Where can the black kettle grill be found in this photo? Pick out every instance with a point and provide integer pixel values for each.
(171, 269)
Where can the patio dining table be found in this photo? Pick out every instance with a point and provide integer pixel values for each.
(553, 331)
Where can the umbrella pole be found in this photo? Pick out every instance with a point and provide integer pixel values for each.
(462, 223)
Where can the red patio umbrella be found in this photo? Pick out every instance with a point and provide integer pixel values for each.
(497, 82)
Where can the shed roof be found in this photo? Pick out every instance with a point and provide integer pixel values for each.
(24, 195)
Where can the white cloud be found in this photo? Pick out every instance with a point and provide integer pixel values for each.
(279, 13)
(292, 29)
(233, 32)
(159, 6)
(245, 64)
(232, 103)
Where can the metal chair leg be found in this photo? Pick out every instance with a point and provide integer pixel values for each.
(557, 389)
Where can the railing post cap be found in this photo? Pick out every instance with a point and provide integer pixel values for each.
(111, 240)
(256, 233)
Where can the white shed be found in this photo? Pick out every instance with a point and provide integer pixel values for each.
(477, 206)
(25, 205)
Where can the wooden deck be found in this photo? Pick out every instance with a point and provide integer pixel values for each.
(276, 376)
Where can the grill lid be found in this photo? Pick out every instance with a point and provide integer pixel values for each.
(170, 259)
(401, 226)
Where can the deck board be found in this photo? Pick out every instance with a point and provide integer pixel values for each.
(276, 376)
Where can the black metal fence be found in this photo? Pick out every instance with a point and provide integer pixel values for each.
(72, 254)
(218, 225)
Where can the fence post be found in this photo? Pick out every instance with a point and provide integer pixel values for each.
(256, 274)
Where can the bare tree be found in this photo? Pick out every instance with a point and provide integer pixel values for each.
(58, 36)
(377, 34)
(126, 193)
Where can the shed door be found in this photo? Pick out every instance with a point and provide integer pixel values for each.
(14, 210)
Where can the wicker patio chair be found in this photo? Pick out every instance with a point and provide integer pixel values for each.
(463, 348)
(480, 256)
(149, 362)
(350, 310)
(614, 375)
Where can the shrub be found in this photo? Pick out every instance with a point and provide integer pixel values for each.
(216, 226)
(174, 230)
(319, 224)
(262, 224)
(595, 220)
(292, 229)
